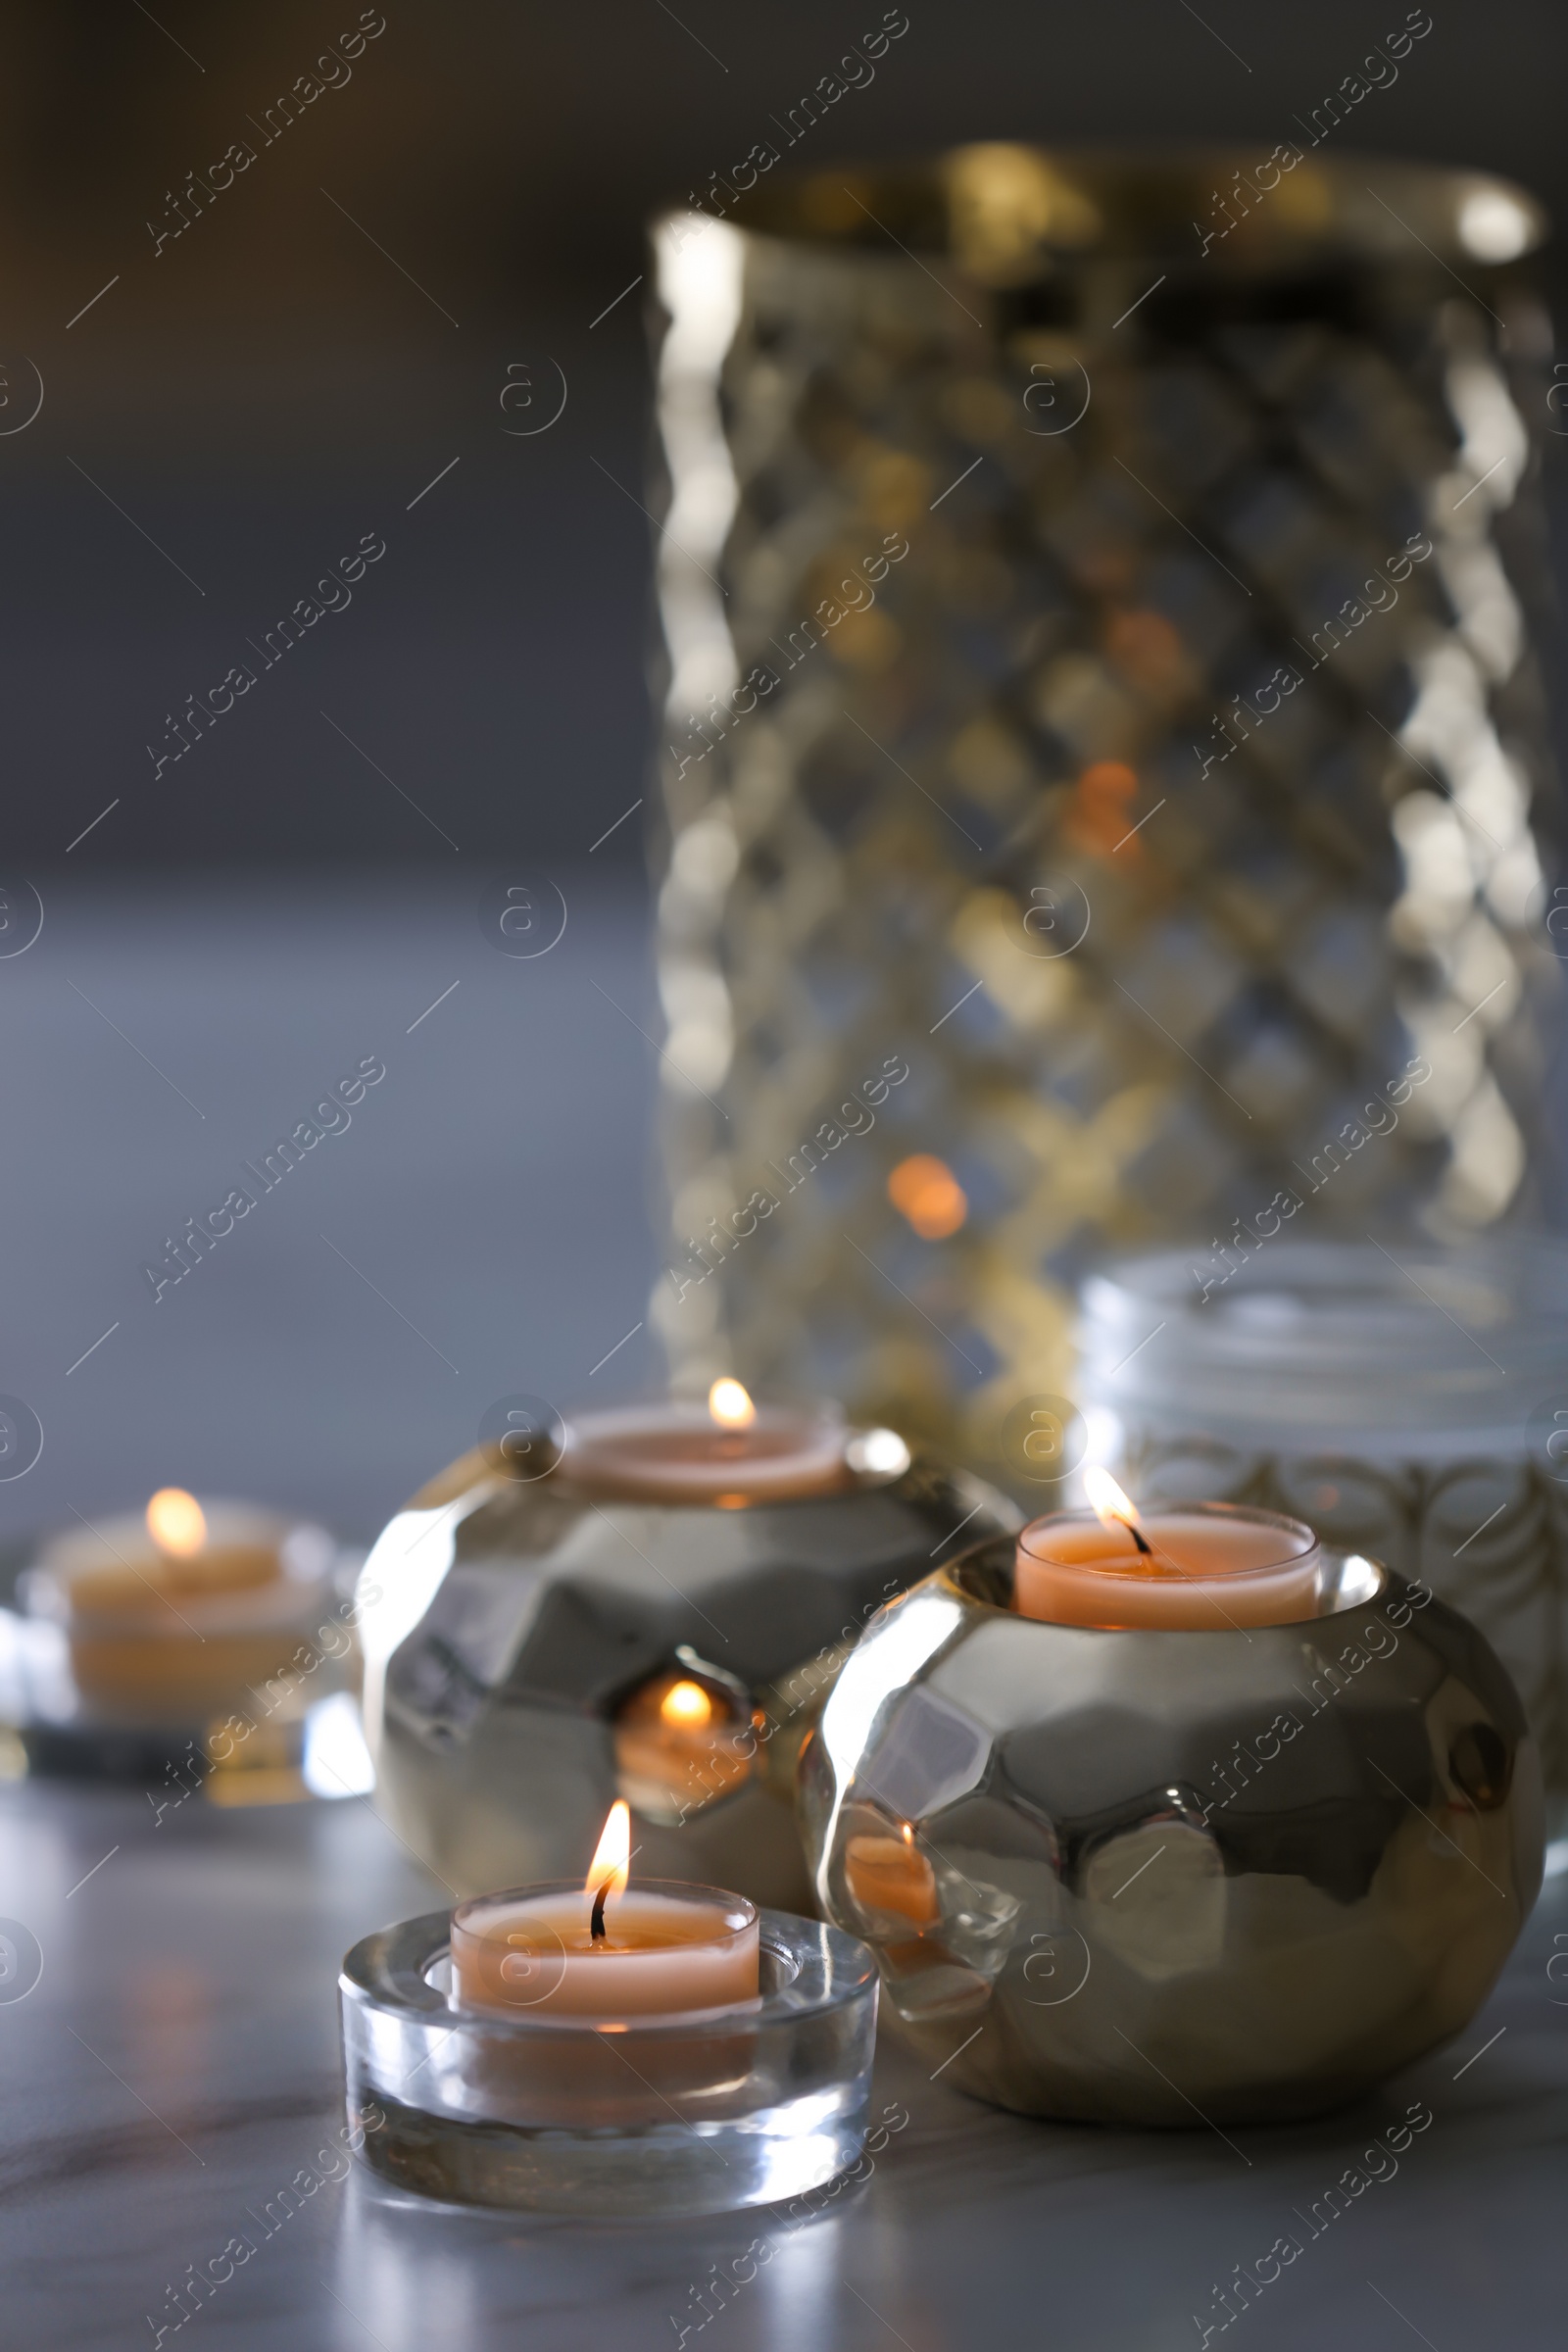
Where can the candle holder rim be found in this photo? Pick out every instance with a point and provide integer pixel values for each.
(1118, 200)
(583, 1480)
(1254, 1515)
(719, 1898)
(642, 1432)
(390, 1967)
(996, 1555)
(261, 1608)
(817, 1412)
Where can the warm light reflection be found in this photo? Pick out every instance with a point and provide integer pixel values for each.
(1099, 816)
(686, 1707)
(1493, 226)
(891, 1874)
(924, 1190)
(611, 1866)
(730, 1404)
(681, 1745)
(1109, 1504)
(177, 1521)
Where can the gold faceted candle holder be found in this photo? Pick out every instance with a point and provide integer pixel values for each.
(540, 1641)
(1140, 1877)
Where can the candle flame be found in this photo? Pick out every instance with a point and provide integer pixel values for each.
(177, 1521)
(1111, 1505)
(611, 1866)
(686, 1707)
(730, 1405)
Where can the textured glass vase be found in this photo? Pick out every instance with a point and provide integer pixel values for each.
(1103, 754)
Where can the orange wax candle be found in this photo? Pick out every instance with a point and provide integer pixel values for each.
(176, 1552)
(603, 1952)
(173, 1613)
(1199, 1567)
(729, 1452)
(679, 1744)
(889, 1874)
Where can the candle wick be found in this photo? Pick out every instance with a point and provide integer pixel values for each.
(1139, 1538)
(596, 1925)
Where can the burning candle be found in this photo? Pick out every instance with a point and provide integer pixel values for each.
(680, 1743)
(891, 1874)
(1199, 1566)
(173, 1613)
(176, 1547)
(730, 1451)
(605, 1951)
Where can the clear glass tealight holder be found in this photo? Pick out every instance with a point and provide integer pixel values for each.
(704, 2111)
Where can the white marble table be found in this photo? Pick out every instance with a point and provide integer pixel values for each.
(175, 2068)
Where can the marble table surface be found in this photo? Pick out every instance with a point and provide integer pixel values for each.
(175, 2066)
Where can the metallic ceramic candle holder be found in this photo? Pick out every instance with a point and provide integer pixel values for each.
(1130, 1876)
(516, 1630)
(702, 2113)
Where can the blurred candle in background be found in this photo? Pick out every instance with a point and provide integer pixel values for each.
(728, 1452)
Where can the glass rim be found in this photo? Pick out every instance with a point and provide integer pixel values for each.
(982, 1579)
(1119, 200)
(618, 1420)
(683, 1891)
(826, 1970)
(671, 1452)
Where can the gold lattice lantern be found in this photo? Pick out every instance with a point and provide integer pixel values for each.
(1103, 749)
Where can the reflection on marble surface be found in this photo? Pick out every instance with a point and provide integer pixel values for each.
(196, 1967)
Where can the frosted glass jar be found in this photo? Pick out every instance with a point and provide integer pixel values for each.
(1407, 1402)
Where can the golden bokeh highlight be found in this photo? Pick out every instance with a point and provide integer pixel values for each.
(686, 1707)
(924, 1190)
(1099, 815)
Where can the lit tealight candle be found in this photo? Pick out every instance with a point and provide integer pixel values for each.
(891, 1874)
(679, 1744)
(730, 1451)
(175, 1550)
(1200, 1567)
(181, 1608)
(602, 1950)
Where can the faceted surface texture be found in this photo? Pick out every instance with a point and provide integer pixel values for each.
(509, 1620)
(1244, 1874)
